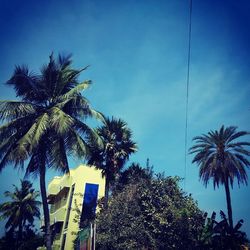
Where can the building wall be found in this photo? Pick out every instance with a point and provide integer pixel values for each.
(78, 178)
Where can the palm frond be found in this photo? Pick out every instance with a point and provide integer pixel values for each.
(10, 110)
(237, 135)
(238, 225)
(77, 89)
(12, 156)
(89, 134)
(58, 155)
(33, 167)
(60, 121)
(25, 83)
(32, 137)
(219, 157)
(64, 61)
(242, 151)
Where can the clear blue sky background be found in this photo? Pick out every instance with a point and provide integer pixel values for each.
(138, 56)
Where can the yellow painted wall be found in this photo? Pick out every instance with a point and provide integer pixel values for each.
(78, 176)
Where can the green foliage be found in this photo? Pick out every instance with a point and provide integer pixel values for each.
(225, 237)
(115, 151)
(47, 124)
(31, 240)
(52, 110)
(222, 158)
(149, 213)
(22, 208)
(220, 236)
(20, 212)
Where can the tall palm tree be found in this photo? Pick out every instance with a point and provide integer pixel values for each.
(115, 151)
(21, 209)
(47, 123)
(222, 158)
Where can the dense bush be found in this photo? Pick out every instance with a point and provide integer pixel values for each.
(149, 211)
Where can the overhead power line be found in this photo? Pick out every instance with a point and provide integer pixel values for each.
(187, 88)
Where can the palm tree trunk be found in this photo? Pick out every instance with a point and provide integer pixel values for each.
(20, 233)
(45, 208)
(229, 206)
(106, 196)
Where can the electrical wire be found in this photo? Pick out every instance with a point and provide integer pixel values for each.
(187, 87)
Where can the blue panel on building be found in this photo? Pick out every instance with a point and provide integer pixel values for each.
(89, 202)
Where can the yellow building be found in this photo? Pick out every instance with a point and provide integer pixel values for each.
(81, 188)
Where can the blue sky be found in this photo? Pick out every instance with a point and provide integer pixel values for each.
(138, 56)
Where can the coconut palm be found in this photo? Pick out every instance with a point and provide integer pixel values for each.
(47, 123)
(222, 158)
(21, 209)
(115, 151)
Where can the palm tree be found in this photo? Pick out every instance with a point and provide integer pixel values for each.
(115, 151)
(47, 123)
(222, 158)
(22, 208)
